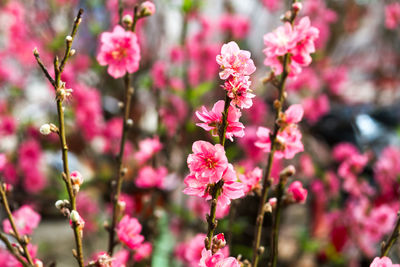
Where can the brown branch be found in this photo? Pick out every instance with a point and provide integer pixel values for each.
(386, 246)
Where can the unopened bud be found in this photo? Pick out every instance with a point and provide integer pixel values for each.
(38, 263)
(68, 38)
(127, 20)
(267, 208)
(129, 122)
(74, 217)
(147, 8)
(297, 6)
(72, 52)
(59, 204)
(45, 129)
(287, 172)
(35, 52)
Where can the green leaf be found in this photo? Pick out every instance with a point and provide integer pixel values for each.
(195, 94)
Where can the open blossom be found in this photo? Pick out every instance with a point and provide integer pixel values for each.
(298, 40)
(26, 220)
(343, 151)
(147, 148)
(149, 177)
(128, 231)
(119, 50)
(297, 192)
(383, 262)
(288, 142)
(387, 168)
(208, 259)
(207, 161)
(292, 115)
(231, 189)
(234, 62)
(211, 120)
(238, 89)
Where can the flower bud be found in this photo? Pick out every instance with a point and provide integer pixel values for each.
(147, 8)
(72, 52)
(59, 204)
(45, 129)
(77, 180)
(297, 193)
(68, 38)
(297, 6)
(38, 263)
(127, 20)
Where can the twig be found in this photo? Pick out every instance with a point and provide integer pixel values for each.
(13, 250)
(117, 183)
(216, 189)
(386, 246)
(21, 240)
(57, 84)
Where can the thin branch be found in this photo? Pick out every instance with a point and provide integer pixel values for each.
(386, 246)
(13, 250)
(22, 241)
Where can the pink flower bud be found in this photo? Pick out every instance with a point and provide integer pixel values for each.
(297, 6)
(297, 192)
(147, 8)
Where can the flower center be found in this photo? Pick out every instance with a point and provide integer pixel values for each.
(119, 53)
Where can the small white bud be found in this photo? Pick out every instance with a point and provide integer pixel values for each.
(129, 122)
(72, 52)
(74, 216)
(127, 20)
(45, 129)
(59, 204)
(68, 38)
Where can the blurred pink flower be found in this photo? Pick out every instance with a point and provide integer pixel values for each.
(173, 112)
(307, 166)
(308, 80)
(272, 5)
(343, 151)
(26, 220)
(211, 120)
(128, 231)
(3, 161)
(159, 75)
(8, 125)
(297, 192)
(143, 252)
(392, 14)
(119, 50)
(148, 147)
(149, 177)
(315, 108)
(234, 25)
(387, 168)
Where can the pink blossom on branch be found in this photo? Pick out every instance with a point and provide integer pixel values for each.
(297, 192)
(211, 120)
(234, 62)
(149, 177)
(119, 50)
(238, 89)
(392, 14)
(207, 161)
(208, 259)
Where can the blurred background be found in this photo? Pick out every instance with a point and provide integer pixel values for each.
(350, 95)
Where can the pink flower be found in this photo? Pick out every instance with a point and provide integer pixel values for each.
(119, 50)
(76, 179)
(211, 120)
(147, 148)
(383, 262)
(238, 88)
(272, 5)
(207, 161)
(26, 220)
(128, 231)
(292, 115)
(235, 25)
(232, 189)
(343, 151)
(159, 75)
(297, 40)
(297, 192)
(353, 166)
(208, 259)
(387, 168)
(3, 161)
(315, 108)
(251, 180)
(288, 142)
(392, 14)
(143, 251)
(307, 166)
(149, 177)
(234, 62)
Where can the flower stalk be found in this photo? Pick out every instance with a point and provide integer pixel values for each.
(386, 246)
(62, 93)
(117, 183)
